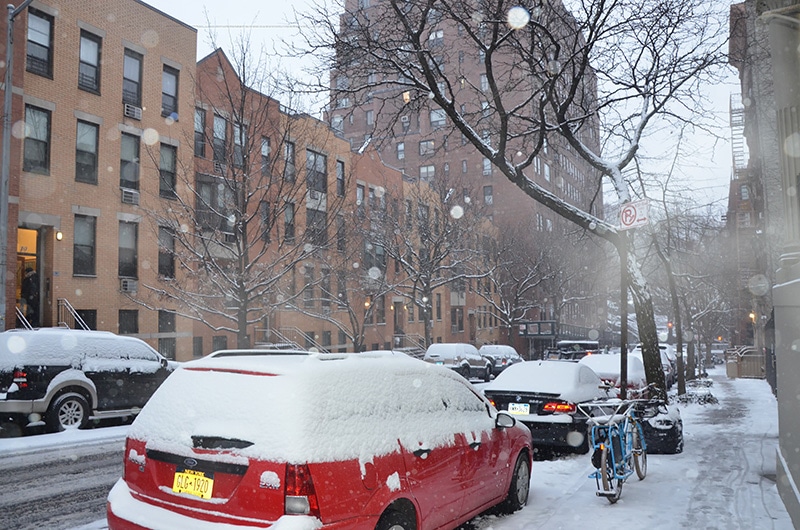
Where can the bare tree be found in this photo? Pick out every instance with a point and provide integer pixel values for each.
(234, 229)
(597, 75)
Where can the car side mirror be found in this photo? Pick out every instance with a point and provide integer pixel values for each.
(164, 362)
(504, 420)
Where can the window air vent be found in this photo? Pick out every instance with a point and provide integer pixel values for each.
(132, 111)
(127, 285)
(130, 196)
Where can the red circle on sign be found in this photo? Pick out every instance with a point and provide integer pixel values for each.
(628, 216)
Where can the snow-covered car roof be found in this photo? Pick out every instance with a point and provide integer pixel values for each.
(571, 381)
(321, 407)
(607, 366)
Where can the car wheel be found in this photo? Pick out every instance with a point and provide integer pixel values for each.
(465, 372)
(487, 374)
(68, 411)
(520, 487)
(396, 520)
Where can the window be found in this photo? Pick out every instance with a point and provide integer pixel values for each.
(426, 173)
(199, 132)
(456, 319)
(374, 256)
(83, 248)
(308, 291)
(40, 43)
(325, 288)
(316, 171)
(169, 92)
(316, 227)
(401, 150)
(219, 342)
(239, 143)
(487, 195)
(288, 221)
(337, 123)
(547, 172)
(128, 321)
(426, 147)
(128, 236)
(290, 169)
(89, 65)
(438, 118)
(89, 317)
(341, 240)
(166, 324)
(380, 309)
(129, 162)
(220, 139)
(339, 178)
(439, 306)
(265, 151)
(167, 166)
(484, 83)
(360, 204)
(166, 252)
(341, 290)
(464, 166)
(86, 152)
(487, 167)
(37, 140)
(132, 78)
(370, 117)
(215, 202)
(745, 192)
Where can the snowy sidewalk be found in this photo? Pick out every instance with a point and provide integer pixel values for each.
(724, 479)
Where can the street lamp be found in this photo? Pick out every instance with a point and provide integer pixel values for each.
(6, 154)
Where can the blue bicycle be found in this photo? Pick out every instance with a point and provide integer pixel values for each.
(618, 442)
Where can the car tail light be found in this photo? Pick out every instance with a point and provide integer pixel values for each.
(493, 403)
(301, 499)
(559, 406)
(21, 378)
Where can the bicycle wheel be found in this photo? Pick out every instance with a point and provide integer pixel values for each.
(639, 452)
(612, 488)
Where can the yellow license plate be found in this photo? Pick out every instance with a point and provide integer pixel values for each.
(193, 482)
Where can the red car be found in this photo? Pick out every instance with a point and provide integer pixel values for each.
(318, 441)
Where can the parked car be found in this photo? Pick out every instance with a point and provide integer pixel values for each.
(66, 377)
(572, 350)
(669, 369)
(663, 430)
(544, 396)
(320, 441)
(500, 355)
(607, 367)
(461, 357)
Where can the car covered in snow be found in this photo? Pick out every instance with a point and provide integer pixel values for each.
(501, 356)
(460, 357)
(544, 396)
(319, 441)
(65, 377)
(607, 367)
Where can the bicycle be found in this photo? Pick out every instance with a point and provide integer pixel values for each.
(618, 441)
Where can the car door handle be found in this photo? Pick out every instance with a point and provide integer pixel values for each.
(475, 445)
(422, 453)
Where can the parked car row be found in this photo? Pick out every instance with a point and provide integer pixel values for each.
(470, 362)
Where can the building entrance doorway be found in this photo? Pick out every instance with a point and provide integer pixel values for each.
(28, 292)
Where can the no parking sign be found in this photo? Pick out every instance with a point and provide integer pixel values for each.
(634, 214)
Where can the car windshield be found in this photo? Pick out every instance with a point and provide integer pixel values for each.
(476, 185)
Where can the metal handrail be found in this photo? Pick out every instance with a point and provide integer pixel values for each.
(63, 304)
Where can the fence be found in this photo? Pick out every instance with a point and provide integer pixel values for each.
(745, 362)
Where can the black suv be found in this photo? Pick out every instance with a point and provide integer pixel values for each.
(66, 377)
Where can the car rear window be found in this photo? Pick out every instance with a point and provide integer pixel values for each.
(321, 411)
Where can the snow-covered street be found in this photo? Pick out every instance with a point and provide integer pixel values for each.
(724, 479)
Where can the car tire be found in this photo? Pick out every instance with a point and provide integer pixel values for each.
(519, 488)
(67, 411)
(464, 371)
(487, 374)
(396, 520)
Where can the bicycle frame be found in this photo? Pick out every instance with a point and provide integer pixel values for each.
(618, 441)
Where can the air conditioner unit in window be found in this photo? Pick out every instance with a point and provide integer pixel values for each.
(127, 285)
(130, 196)
(132, 111)
(220, 168)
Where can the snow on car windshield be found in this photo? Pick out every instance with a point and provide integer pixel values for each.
(309, 409)
(544, 376)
